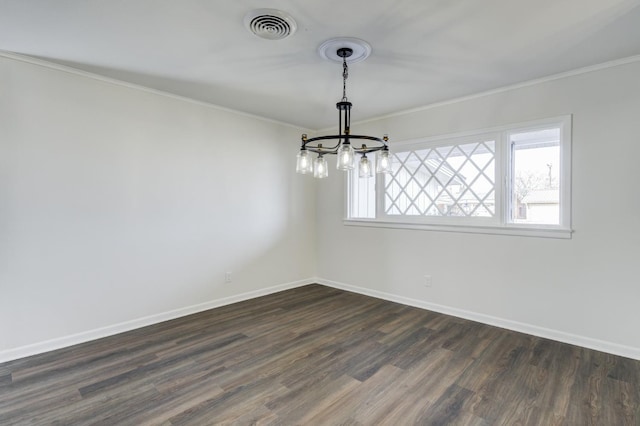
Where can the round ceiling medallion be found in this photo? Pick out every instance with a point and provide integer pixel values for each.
(270, 24)
(329, 49)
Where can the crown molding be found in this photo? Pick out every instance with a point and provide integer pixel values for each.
(65, 68)
(566, 74)
(553, 77)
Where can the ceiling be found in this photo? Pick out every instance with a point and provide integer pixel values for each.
(424, 51)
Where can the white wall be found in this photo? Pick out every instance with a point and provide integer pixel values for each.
(118, 204)
(585, 289)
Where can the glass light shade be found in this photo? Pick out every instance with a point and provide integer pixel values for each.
(384, 162)
(304, 163)
(320, 169)
(345, 157)
(365, 169)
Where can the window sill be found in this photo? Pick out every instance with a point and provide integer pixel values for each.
(522, 231)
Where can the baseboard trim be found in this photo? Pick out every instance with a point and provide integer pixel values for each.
(560, 336)
(86, 336)
(98, 333)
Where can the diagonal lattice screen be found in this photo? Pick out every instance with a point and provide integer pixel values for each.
(455, 180)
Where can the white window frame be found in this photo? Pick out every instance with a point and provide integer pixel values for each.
(500, 223)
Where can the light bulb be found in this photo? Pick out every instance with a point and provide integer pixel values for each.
(320, 169)
(345, 157)
(384, 162)
(365, 170)
(303, 163)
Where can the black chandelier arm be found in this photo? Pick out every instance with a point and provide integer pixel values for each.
(322, 151)
(308, 144)
(368, 149)
(319, 149)
(371, 138)
(346, 137)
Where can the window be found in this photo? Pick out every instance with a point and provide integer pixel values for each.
(453, 180)
(535, 159)
(510, 180)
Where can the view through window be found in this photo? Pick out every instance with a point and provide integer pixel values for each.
(536, 176)
(451, 180)
(510, 177)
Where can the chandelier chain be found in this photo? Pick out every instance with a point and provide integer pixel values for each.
(345, 75)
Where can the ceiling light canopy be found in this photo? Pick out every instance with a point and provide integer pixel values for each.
(360, 49)
(341, 144)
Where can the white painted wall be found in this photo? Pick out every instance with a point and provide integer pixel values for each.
(586, 287)
(118, 204)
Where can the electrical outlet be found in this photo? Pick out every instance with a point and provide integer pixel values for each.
(427, 281)
(227, 277)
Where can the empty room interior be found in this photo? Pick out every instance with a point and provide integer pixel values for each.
(301, 213)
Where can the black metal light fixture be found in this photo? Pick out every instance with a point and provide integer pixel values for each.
(343, 148)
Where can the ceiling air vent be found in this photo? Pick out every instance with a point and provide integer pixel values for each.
(271, 24)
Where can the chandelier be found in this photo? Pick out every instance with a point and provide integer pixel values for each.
(342, 143)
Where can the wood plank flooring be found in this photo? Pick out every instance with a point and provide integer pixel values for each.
(316, 355)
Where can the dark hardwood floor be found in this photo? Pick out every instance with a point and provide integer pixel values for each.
(316, 355)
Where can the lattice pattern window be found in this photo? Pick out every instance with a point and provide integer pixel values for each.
(511, 180)
(453, 180)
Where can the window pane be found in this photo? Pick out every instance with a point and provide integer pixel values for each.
(362, 197)
(536, 177)
(454, 180)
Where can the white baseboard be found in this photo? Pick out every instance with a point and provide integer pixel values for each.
(86, 336)
(547, 333)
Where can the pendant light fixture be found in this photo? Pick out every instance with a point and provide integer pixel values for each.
(342, 144)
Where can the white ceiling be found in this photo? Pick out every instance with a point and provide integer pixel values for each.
(424, 51)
